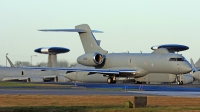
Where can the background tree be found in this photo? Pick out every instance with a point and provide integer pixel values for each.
(63, 63)
(41, 64)
(73, 64)
(22, 63)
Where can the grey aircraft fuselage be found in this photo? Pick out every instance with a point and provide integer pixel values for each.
(145, 63)
(24, 74)
(148, 79)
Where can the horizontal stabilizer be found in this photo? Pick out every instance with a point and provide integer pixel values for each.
(70, 30)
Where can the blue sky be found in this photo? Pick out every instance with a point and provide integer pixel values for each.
(128, 25)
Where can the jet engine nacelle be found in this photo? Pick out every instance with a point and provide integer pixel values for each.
(187, 79)
(35, 79)
(157, 77)
(61, 79)
(91, 59)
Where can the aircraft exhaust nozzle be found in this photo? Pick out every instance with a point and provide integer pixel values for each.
(91, 59)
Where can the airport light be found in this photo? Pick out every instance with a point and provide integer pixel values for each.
(31, 58)
(6, 59)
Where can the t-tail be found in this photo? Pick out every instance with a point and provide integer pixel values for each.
(88, 40)
(197, 64)
(193, 65)
(10, 62)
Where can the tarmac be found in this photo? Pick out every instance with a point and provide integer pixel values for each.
(71, 88)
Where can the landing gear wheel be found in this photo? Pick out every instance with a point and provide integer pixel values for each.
(114, 81)
(109, 80)
(135, 82)
(180, 82)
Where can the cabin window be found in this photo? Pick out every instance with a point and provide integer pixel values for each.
(176, 59)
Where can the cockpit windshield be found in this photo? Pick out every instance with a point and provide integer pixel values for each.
(176, 59)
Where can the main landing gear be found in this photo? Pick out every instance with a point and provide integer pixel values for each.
(111, 80)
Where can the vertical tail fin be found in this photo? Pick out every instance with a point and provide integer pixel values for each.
(88, 40)
(197, 64)
(11, 64)
(192, 63)
(99, 41)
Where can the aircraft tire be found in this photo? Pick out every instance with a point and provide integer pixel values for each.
(109, 80)
(181, 83)
(114, 81)
(135, 82)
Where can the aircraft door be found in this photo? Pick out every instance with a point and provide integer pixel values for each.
(178, 67)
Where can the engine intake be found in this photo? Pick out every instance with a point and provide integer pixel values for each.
(60, 78)
(91, 59)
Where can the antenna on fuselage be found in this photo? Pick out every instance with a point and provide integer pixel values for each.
(52, 54)
(140, 51)
(172, 48)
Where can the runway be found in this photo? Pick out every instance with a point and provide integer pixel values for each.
(105, 89)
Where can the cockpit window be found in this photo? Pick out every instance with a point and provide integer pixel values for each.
(180, 59)
(176, 59)
(172, 59)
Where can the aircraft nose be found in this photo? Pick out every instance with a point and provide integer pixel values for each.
(187, 68)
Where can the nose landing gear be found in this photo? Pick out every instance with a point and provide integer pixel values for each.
(180, 82)
(179, 79)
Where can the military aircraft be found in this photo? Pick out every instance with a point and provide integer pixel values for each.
(195, 69)
(114, 65)
(31, 75)
(154, 78)
(196, 65)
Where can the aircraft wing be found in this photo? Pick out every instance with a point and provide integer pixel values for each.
(13, 78)
(103, 71)
(19, 78)
(91, 71)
